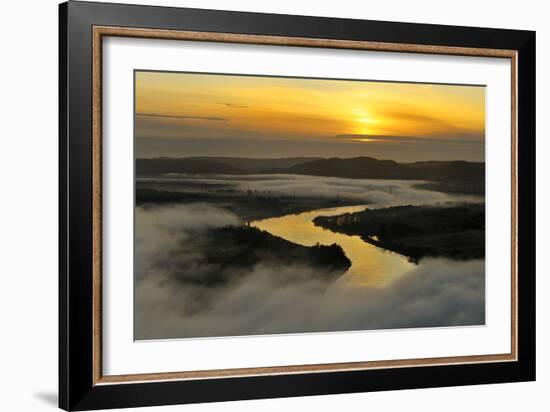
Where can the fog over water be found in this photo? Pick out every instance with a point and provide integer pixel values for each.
(436, 292)
(376, 192)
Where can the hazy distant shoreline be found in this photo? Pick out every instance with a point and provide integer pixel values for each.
(353, 168)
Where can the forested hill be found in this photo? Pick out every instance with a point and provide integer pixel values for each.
(355, 168)
(370, 168)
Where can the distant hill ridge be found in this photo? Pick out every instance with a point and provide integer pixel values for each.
(355, 168)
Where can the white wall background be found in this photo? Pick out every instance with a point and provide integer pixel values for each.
(28, 206)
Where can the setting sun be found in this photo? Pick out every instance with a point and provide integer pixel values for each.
(298, 112)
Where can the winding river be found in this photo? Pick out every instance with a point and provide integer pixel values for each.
(371, 266)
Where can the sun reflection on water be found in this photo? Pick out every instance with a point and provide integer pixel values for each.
(371, 266)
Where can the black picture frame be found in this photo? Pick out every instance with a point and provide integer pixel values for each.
(77, 390)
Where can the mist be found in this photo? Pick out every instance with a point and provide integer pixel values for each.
(170, 304)
(375, 192)
(188, 140)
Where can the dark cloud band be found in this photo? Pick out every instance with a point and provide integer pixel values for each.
(172, 116)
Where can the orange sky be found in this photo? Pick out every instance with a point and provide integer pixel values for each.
(181, 106)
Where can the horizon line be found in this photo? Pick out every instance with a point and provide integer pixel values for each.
(302, 157)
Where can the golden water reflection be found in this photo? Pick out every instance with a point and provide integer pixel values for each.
(371, 266)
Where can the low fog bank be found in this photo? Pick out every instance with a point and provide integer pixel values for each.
(167, 305)
(378, 192)
(160, 231)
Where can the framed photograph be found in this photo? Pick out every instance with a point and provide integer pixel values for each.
(256, 205)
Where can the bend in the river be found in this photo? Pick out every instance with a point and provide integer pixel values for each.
(371, 266)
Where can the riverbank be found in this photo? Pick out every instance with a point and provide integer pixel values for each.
(233, 252)
(456, 232)
(248, 205)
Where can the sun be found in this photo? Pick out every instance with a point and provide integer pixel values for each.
(366, 140)
(364, 122)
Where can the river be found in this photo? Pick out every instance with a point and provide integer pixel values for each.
(371, 266)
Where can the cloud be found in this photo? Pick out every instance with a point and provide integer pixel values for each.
(407, 117)
(465, 139)
(235, 105)
(182, 117)
(159, 230)
(438, 292)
